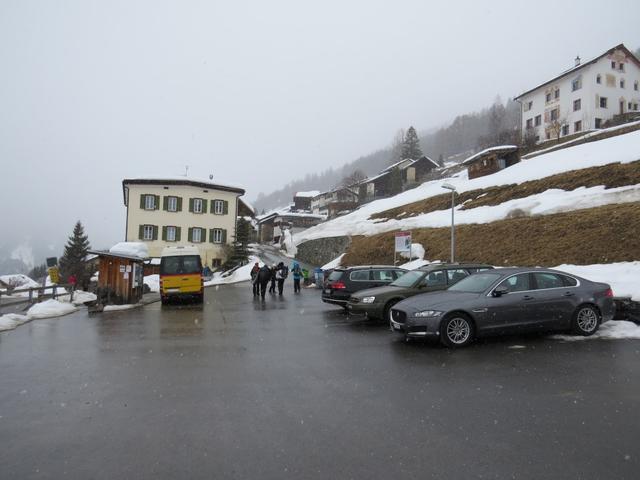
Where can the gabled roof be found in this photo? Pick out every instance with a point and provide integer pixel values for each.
(193, 182)
(424, 157)
(504, 149)
(582, 65)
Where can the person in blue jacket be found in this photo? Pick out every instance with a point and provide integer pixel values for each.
(296, 271)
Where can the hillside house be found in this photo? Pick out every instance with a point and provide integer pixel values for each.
(170, 211)
(302, 200)
(491, 160)
(584, 97)
(329, 204)
(272, 225)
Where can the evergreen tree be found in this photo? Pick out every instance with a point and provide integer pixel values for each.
(411, 145)
(75, 252)
(395, 181)
(39, 272)
(240, 252)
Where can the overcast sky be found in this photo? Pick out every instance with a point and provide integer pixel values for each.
(256, 93)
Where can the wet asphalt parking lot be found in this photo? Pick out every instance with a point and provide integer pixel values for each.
(293, 388)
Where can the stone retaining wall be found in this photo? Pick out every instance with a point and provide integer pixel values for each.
(322, 250)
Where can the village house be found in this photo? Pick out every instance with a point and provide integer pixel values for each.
(491, 160)
(302, 200)
(333, 202)
(271, 226)
(604, 89)
(170, 211)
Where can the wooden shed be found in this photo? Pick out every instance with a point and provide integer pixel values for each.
(121, 278)
(492, 160)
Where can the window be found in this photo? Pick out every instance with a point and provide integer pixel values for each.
(529, 122)
(621, 67)
(217, 235)
(629, 106)
(383, 275)
(172, 204)
(517, 283)
(603, 102)
(635, 106)
(568, 281)
(577, 126)
(360, 276)
(621, 83)
(197, 205)
(170, 234)
(434, 279)
(149, 202)
(599, 79)
(196, 235)
(556, 93)
(613, 65)
(526, 106)
(548, 280)
(538, 120)
(548, 97)
(576, 84)
(565, 130)
(635, 85)
(147, 232)
(598, 122)
(577, 104)
(554, 114)
(454, 276)
(218, 207)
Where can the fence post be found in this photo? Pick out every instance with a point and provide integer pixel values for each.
(73, 288)
(31, 295)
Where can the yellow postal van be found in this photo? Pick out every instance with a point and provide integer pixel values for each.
(181, 274)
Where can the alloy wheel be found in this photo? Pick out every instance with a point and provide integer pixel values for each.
(587, 319)
(458, 330)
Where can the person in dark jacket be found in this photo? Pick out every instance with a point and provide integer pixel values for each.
(272, 287)
(254, 279)
(297, 276)
(264, 275)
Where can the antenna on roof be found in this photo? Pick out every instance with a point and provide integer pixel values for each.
(186, 170)
(577, 60)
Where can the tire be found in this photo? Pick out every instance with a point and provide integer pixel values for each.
(586, 320)
(386, 311)
(456, 330)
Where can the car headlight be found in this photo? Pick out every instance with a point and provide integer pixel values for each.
(368, 299)
(428, 313)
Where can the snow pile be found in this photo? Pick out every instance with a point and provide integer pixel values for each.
(12, 320)
(417, 252)
(288, 245)
(19, 281)
(153, 281)
(115, 308)
(79, 297)
(131, 249)
(623, 148)
(413, 264)
(335, 263)
(241, 274)
(611, 330)
(624, 277)
(50, 308)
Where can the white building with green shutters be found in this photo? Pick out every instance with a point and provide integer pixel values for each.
(181, 211)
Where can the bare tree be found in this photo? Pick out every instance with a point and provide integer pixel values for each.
(351, 183)
(396, 146)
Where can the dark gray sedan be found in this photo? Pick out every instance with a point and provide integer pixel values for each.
(506, 300)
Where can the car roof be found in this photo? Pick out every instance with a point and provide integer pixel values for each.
(512, 270)
(363, 267)
(435, 266)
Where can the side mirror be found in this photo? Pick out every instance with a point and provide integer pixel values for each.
(499, 291)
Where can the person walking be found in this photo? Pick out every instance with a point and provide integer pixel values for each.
(297, 275)
(254, 279)
(281, 274)
(264, 275)
(274, 270)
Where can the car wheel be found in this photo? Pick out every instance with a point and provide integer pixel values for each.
(456, 330)
(386, 312)
(586, 320)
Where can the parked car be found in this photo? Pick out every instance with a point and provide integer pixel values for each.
(377, 302)
(343, 282)
(506, 300)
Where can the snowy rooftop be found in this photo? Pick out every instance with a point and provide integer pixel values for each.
(310, 194)
(497, 149)
(182, 180)
(131, 250)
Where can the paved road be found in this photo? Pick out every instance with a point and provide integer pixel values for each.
(294, 389)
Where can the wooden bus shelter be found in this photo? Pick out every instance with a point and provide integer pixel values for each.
(121, 278)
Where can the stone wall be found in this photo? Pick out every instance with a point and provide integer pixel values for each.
(322, 250)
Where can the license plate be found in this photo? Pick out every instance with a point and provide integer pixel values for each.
(394, 325)
(173, 290)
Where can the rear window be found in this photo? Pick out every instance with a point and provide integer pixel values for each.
(335, 275)
(359, 275)
(181, 265)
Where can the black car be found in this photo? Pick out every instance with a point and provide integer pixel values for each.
(506, 300)
(344, 281)
(377, 302)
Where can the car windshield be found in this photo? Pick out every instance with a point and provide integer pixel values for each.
(408, 279)
(475, 283)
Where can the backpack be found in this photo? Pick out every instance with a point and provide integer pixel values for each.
(284, 271)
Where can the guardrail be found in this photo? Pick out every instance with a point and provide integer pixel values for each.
(67, 289)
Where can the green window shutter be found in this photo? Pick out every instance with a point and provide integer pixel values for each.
(165, 203)
(190, 235)
(157, 202)
(191, 206)
(179, 207)
(155, 232)
(225, 207)
(212, 207)
(142, 195)
(164, 233)
(204, 206)
(211, 235)
(224, 236)
(203, 235)
(177, 234)
(141, 232)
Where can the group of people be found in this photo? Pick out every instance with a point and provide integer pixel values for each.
(276, 274)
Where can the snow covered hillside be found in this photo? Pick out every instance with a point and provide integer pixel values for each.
(623, 149)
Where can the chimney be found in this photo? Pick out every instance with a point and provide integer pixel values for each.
(577, 60)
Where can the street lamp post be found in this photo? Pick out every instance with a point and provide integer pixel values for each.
(448, 186)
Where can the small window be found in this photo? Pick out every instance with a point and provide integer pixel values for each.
(548, 97)
(577, 126)
(554, 114)
(172, 204)
(621, 83)
(531, 104)
(621, 67)
(577, 104)
(538, 120)
(598, 123)
(635, 106)
(218, 207)
(599, 79)
(568, 281)
(603, 102)
(548, 280)
(360, 276)
(148, 232)
(149, 202)
(217, 235)
(517, 283)
(382, 275)
(171, 234)
(565, 130)
(556, 93)
(576, 84)
(529, 122)
(454, 276)
(629, 106)
(435, 279)
(635, 85)
(613, 65)
(196, 234)
(197, 205)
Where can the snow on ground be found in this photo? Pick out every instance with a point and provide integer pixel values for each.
(79, 297)
(115, 308)
(153, 281)
(335, 263)
(611, 330)
(18, 281)
(12, 320)
(623, 148)
(50, 308)
(131, 249)
(624, 277)
(242, 274)
(288, 244)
